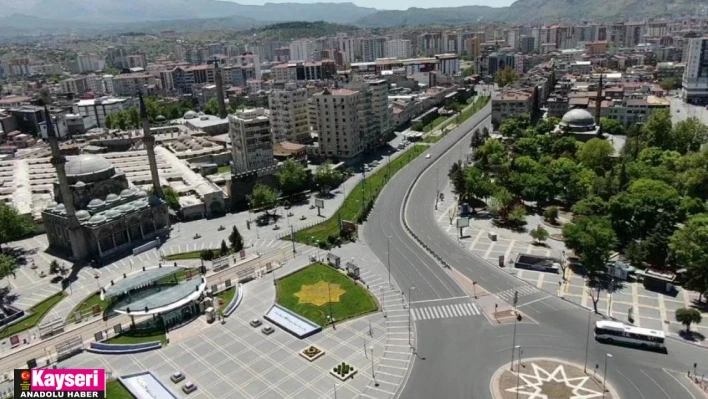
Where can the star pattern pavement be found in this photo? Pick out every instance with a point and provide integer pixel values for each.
(533, 384)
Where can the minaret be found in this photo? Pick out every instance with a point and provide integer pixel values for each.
(78, 242)
(219, 82)
(598, 106)
(149, 142)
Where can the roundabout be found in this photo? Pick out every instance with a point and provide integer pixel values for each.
(542, 378)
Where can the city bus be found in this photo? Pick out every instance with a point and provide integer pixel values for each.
(616, 332)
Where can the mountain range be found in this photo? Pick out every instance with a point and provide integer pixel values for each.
(29, 16)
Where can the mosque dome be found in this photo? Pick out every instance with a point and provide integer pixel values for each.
(127, 193)
(160, 119)
(142, 194)
(578, 118)
(184, 137)
(111, 198)
(125, 208)
(60, 208)
(83, 215)
(87, 164)
(190, 115)
(95, 203)
(97, 219)
(80, 184)
(113, 213)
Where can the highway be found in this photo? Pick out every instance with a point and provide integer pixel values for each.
(458, 356)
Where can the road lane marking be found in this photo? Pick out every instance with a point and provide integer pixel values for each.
(440, 299)
(679, 382)
(655, 383)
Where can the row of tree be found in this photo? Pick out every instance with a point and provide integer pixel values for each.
(648, 201)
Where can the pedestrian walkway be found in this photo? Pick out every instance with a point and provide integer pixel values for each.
(523, 290)
(446, 311)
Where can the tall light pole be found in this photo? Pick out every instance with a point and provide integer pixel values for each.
(587, 344)
(513, 344)
(518, 370)
(604, 378)
(382, 302)
(335, 390)
(388, 258)
(373, 375)
(292, 237)
(410, 341)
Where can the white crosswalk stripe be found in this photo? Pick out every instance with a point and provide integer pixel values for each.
(523, 291)
(446, 311)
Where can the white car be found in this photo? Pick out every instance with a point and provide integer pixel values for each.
(427, 156)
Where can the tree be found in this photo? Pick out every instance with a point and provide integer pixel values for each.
(688, 250)
(612, 126)
(263, 198)
(469, 71)
(13, 226)
(327, 177)
(54, 267)
(688, 316)
(292, 177)
(478, 184)
(491, 155)
(506, 77)
(171, 197)
(133, 117)
(539, 234)
(7, 266)
(224, 249)
(669, 84)
(517, 215)
(596, 154)
(457, 178)
(656, 132)
(110, 121)
(635, 253)
(206, 254)
(590, 206)
(689, 135)
(211, 107)
(592, 238)
(236, 240)
(550, 214)
(501, 203)
(477, 139)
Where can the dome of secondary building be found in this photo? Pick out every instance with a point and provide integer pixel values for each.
(112, 198)
(190, 115)
(578, 117)
(87, 164)
(83, 215)
(95, 203)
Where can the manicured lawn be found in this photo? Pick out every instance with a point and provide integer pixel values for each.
(116, 390)
(225, 296)
(36, 313)
(224, 169)
(184, 255)
(354, 301)
(128, 338)
(85, 307)
(463, 116)
(353, 203)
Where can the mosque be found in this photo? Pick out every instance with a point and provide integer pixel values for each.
(99, 215)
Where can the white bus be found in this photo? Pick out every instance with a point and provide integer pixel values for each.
(612, 331)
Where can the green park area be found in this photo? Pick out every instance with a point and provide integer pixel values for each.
(224, 169)
(36, 313)
(116, 390)
(318, 290)
(225, 297)
(184, 255)
(461, 117)
(139, 337)
(364, 193)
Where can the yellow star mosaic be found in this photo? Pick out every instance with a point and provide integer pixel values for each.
(318, 294)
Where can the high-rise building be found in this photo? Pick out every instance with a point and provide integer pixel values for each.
(527, 44)
(302, 50)
(695, 76)
(251, 140)
(430, 44)
(397, 48)
(372, 48)
(335, 117)
(374, 113)
(289, 118)
(349, 47)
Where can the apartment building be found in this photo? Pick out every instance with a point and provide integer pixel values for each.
(94, 111)
(76, 86)
(335, 118)
(372, 48)
(509, 104)
(289, 114)
(130, 83)
(695, 77)
(302, 50)
(397, 48)
(251, 140)
(374, 112)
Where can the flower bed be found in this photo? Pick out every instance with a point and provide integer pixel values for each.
(312, 353)
(343, 371)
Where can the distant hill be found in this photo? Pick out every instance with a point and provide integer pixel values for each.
(428, 16)
(298, 30)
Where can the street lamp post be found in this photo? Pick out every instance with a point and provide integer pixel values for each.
(335, 390)
(292, 237)
(388, 258)
(383, 309)
(410, 341)
(513, 344)
(518, 370)
(329, 293)
(604, 378)
(373, 374)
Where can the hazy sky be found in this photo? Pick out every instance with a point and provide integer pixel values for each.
(393, 4)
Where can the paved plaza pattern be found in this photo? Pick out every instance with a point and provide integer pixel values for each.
(650, 309)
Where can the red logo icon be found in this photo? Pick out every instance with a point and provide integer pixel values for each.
(25, 375)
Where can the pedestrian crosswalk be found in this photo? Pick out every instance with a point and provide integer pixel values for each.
(523, 291)
(446, 311)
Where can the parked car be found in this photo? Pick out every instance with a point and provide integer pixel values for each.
(189, 387)
(177, 377)
(267, 330)
(255, 323)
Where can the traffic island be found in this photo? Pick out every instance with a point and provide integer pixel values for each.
(547, 378)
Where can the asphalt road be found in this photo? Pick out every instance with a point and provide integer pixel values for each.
(457, 356)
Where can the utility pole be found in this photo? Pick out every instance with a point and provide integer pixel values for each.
(373, 375)
(410, 341)
(604, 378)
(292, 237)
(587, 343)
(388, 258)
